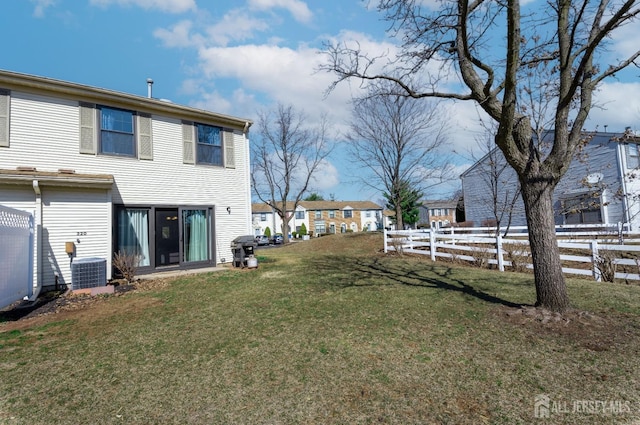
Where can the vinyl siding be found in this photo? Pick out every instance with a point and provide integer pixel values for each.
(478, 199)
(599, 156)
(73, 215)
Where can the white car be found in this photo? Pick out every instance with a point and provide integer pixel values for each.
(262, 240)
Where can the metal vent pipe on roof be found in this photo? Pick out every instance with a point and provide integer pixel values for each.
(149, 88)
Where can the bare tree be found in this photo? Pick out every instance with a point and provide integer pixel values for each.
(285, 159)
(493, 47)
(397, 140)
(494, 176)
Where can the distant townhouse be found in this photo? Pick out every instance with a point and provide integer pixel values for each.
(106, 172)
(321, 217)
(437, 213)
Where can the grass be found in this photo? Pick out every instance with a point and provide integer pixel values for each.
(325, 331)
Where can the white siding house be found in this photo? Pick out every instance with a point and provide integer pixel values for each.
(601, 186)
(112, 172)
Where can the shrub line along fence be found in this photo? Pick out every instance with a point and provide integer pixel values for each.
(605, 252)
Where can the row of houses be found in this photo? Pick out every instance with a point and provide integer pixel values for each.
(322, 217)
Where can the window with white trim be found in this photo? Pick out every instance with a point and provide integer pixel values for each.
(117, 132)
(208, 145)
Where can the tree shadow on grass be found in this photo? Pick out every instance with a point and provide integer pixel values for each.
(345, 272)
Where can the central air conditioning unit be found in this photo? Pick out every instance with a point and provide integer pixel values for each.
(88, 273)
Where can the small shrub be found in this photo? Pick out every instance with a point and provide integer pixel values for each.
(481, 257)
(518, 255)
(397, 244)
(605, 264)
(126, 264)
(303, 229)
(267, 232)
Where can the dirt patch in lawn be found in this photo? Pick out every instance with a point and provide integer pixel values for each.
(64, 305)
(595, 332)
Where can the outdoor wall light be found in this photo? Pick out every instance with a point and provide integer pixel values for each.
(229, 210)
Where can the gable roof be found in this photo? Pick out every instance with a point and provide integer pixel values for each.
(322, 205)
(436, 203)
(596, 138)
(79, 92)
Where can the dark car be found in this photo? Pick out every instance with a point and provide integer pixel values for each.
(277, 239)
(262, 240)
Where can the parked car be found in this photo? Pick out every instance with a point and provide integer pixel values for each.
(277, 239)
(262, 240)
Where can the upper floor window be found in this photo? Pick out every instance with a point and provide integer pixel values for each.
(117, 132)
(633, 159)
(332, 214)
(263, 216)
(368, 214)
(209, 144)
(347, 213)
(300, 214)
(318, 214)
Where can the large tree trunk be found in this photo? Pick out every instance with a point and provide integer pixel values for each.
(399, 219)
(551, 290)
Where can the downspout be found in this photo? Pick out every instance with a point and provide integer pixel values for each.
(38, 238)
(245, 133)
(621, 167)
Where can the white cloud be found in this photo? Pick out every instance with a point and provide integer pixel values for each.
(326, 177)
(41, 6)
(298, 9)
(236, 25)
(179, 35)
(169, 6)
(618, 107)
(240, 103)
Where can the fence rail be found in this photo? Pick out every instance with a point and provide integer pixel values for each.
(605, 252)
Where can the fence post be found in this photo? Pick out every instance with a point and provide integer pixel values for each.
(410, 238)
(453, 241)
(432, 244)
(594, 258)
(385, 240)
(499, 253)
(620, 234)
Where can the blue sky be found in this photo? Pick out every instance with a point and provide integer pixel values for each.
(234, 57)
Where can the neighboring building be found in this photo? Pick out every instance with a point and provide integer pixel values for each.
(104, 171)
(321, 217)
(437, 213)
(601, 186)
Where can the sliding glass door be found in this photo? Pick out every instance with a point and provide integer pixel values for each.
(133, 234)
(165, 236)
(195, 235)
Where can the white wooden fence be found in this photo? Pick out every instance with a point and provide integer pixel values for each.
(594, 250)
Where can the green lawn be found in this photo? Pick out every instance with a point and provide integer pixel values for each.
(327, 331)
